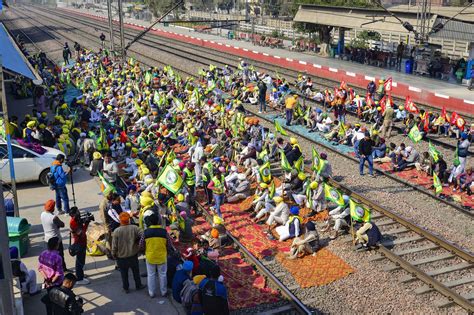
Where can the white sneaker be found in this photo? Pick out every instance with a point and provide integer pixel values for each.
(83, 282)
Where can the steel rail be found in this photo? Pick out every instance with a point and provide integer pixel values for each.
(432, 282)
(385, 173)
(453, 296)
(159, 40)
(295, 301)
(293, 75)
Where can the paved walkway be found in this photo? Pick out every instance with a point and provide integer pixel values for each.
(421, 89)
(103, 295)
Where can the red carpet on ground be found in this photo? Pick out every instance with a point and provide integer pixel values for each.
(245, 286)
(412, 175)
(323, 268)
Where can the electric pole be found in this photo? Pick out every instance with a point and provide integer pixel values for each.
(111, 25)
(122, 35)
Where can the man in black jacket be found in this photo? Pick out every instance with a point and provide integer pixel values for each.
(62, 299)
(365, 154)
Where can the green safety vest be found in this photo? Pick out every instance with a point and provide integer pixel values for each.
(218, 185)
(190, 177)
(207, 166)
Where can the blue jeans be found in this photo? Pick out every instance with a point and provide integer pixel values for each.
(218, 199)
(80, 262)
(378, 154)
(289, 116)
(369, 160)
(61, 195)
(356, 148)
(263, 105)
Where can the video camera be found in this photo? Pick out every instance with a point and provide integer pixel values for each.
(87, 217)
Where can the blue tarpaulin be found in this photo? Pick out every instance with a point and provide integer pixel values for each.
(12, 58)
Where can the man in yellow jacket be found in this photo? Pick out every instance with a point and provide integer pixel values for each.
(290, 104)
(155, 242)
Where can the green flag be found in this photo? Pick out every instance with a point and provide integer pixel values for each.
(415, 134)
(359, 212)
(122, 123)
(101, 141)
(147, 77)
(317, 161)
(263, 155)
(279, 129)
(437, 184)
(434, 153)
(299, 164)
(94, 82)
(456, 160)
(308, 195)
(285, 165)
(108, 187)
(265, 173)
(271, 190)
(179, 104)
(332, 194)
(170, 179)
(156, 98)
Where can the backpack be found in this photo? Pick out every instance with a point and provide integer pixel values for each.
(187, 293)
(211, 302)
(52, 178)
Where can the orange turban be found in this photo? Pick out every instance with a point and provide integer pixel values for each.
(49, 205)
(124, 218)
(214, 233)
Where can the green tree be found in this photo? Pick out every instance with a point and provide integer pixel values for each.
(158, 7)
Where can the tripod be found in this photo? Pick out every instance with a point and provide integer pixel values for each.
(72, 186)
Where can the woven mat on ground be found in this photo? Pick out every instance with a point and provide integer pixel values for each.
(245, 286)
(321, 269)
(308, 271)
(423, 179)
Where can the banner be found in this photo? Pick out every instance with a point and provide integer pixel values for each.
(170, 179)
(265, 172)
(317, 161)
(415, 134)
(285, 165)
(410, 106)
(359, 212)
(332, 194)
(279, 129)
(434, 153)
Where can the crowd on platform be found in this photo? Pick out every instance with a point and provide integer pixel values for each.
(165, 146)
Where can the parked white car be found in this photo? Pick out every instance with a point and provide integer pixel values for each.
(29, 165)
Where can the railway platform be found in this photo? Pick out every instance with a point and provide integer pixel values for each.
(423, 90)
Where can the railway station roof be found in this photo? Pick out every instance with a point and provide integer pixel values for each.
(12, 58)
(375, 19)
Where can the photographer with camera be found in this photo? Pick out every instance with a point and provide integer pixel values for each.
(63, 300)
(57, 181)
(78, 227)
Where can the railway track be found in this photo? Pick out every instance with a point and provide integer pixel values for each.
(414, 250)
(424, 256)
(198, 54)
(296, 306)
(204, 61)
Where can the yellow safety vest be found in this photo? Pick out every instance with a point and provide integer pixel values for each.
(218, 185)
(190, 177)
